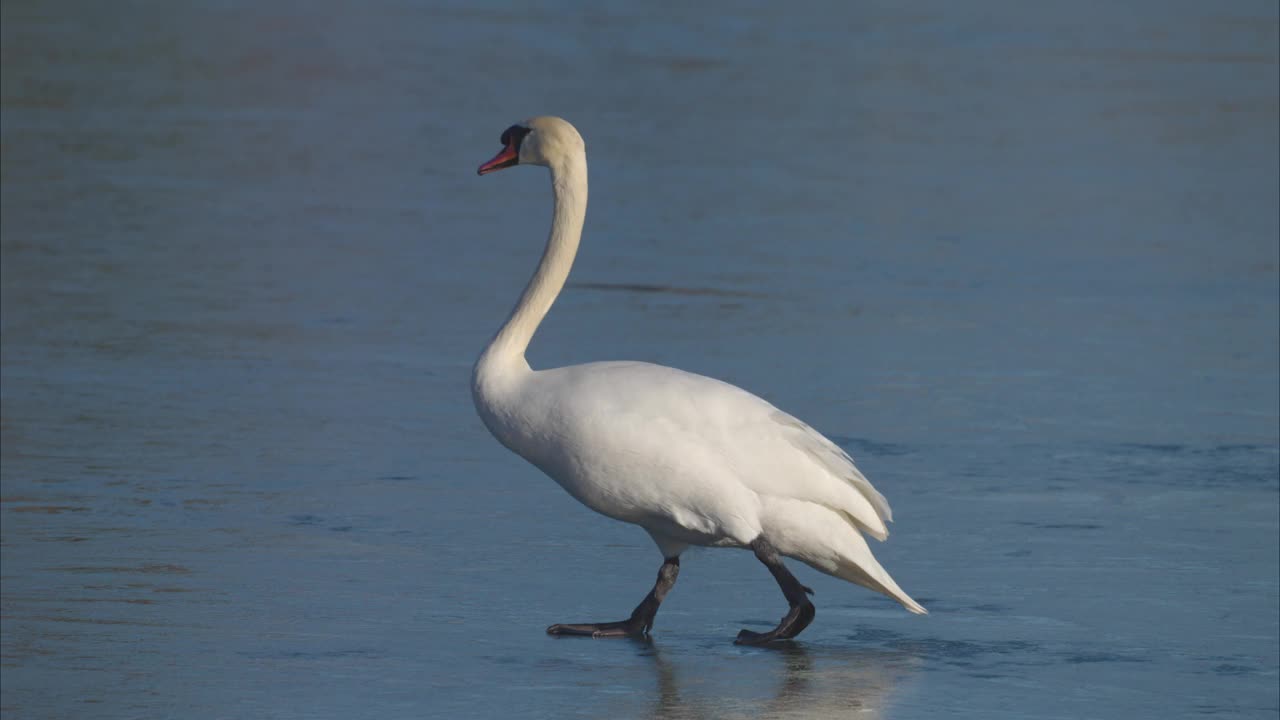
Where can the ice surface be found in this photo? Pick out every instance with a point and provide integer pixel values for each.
(1019, 259)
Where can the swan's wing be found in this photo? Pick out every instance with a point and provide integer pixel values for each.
(750, 441)
(790, 459)
(834, 459)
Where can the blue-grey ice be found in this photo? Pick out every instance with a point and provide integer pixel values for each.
(1020, 260)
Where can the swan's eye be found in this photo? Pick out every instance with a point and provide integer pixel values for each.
(514, 134)
(510, 155)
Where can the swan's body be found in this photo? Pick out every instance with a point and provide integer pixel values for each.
(692, 460)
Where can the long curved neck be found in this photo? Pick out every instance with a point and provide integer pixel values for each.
(569, 188)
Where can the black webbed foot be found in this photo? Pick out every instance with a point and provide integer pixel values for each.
(801, 612)
(641, 620)
(796, 620)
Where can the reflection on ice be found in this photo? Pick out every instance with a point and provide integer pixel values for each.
(807, 683)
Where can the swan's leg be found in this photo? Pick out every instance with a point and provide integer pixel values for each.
(801, 612)
(641, 619)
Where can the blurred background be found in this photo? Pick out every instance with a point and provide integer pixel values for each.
(1019, 259)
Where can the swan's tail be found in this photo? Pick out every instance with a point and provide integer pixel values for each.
(823, 539)
(856, 574)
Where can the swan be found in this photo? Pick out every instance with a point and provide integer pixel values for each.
(692, 460)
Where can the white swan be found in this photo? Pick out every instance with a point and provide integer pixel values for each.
(692, 460)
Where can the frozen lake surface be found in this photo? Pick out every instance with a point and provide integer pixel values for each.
(1021, 262)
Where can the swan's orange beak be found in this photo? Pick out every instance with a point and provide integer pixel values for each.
(509, 156)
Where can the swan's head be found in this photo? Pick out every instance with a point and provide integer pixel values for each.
(546, 141)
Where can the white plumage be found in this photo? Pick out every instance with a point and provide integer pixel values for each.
(692, 460)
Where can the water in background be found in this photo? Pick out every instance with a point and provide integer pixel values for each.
(1019, 259)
